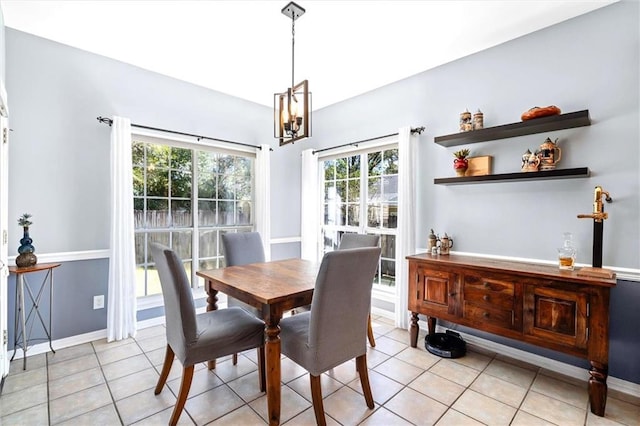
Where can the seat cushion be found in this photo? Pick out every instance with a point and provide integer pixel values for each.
(294, 337)
(223, 332)
(233, 302)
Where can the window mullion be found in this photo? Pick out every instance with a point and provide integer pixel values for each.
(195, 246)
(364, 191)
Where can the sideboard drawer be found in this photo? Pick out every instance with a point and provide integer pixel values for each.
(491, 292)
(488, 315)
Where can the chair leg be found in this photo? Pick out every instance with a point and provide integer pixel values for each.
(372, 341)
(235, 359)
(361, 364)
(166, 368)
(261, 369)
(316, 397)
(187, 376)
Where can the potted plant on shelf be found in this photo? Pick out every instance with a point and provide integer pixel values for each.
(460, 164)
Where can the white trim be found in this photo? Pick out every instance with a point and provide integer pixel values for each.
(383, 313)
(70, 256)
(156, 300)
(614, 383)
(568, 370)
(4, 102)
(191, 142)
(285, 240)
(359, 148)
(627, 274)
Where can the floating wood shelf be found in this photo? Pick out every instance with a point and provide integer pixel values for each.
(579, 172)
(529, 127)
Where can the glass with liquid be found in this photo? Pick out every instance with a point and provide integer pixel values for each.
(567, 253)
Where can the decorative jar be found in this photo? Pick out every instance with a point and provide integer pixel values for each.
(567, 253)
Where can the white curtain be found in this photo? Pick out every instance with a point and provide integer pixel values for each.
(121, 306)
(309, 223)
(405, 240)
(262, 209)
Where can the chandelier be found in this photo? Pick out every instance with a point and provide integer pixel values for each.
(292, 113)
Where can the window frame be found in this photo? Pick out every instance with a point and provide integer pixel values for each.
(179, 141)
(380, 291)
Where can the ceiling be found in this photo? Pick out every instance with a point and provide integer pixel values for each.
(243, 48)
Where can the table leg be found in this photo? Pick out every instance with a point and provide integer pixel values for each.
(50, 308)
(413, 330)
(431, 324)
(598, 388)
(212, 305)
(16, 321)
(272, 348)
(23, 320)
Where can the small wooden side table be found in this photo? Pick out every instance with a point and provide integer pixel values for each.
(21, 337)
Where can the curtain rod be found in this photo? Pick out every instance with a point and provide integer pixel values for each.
(417, 130)
(105, 120)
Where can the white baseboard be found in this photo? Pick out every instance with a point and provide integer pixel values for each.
(613, 383)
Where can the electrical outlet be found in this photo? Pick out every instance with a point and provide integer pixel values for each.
(98, 302)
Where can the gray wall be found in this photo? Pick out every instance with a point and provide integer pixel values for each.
(573, 65)
(60, 155)
(590, 62)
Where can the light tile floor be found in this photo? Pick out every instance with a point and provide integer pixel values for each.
(101, 383)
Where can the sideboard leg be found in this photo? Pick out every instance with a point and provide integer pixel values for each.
(598, 387)
(413, 330)
(431, 324)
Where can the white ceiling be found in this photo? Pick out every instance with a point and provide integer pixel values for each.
(243, 48)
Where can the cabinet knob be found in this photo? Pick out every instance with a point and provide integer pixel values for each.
(452, 294)
(485, 314)
(486, 297)
(486, 285)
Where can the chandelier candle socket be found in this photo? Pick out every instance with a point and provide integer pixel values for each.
(292, 112)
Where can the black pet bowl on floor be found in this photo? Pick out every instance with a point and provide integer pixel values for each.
(446, 345)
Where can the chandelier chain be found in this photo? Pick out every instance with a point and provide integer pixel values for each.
(293, 49)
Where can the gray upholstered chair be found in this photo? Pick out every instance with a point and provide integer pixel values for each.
(351, 241)
(334, 330)
(194, 338)
(242, 248)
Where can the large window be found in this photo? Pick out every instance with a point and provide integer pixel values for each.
(360, 195)
(185, 198)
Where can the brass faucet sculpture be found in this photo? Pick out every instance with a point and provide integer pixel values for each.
(598, 215)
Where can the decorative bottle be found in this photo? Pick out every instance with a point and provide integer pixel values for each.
(567, 253)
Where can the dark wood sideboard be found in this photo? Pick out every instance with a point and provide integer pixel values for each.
(537, 304)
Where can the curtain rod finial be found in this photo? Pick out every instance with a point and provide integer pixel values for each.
(105, 120)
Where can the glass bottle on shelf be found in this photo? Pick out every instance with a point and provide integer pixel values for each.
(567, 253)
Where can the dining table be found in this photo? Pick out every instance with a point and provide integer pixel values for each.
(274, 288)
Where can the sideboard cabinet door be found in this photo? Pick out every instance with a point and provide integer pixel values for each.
(557, 315)
(436, 292)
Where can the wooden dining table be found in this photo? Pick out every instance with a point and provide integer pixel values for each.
(273, 288)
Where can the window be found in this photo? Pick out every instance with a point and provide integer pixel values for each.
(360, 195)
(185, 197)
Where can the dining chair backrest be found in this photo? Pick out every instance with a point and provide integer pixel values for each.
(242, 248)
(340, 305)
(350, 241)
(179, 308)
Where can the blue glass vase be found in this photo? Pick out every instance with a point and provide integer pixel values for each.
(26, 256)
